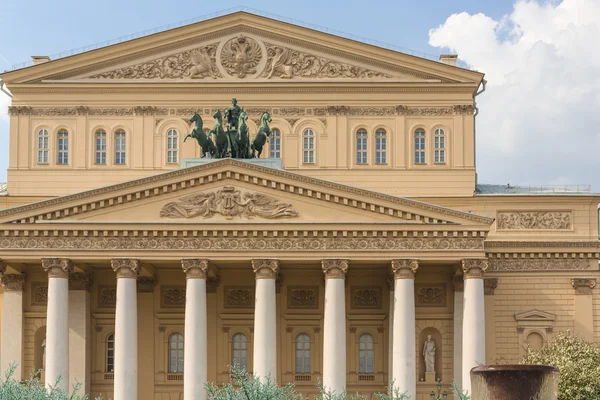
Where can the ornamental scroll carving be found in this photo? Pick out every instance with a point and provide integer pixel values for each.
(13, 282)
(265, 268)
(431, 295)
(107, 296)
(239, 297)
(286, 63)
(541, 220)
(173, 296)
(404, 268)
(366, 297)
(229, 202)
(474, 267)
(57, 267)
(240, 56)
(334, 269)
(39, 293)
(303, 297)
(193, 64)
(195, 268)
(583, 285)
(125, 267)
(539, 264)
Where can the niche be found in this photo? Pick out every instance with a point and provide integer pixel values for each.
(436, 336)
(535, 340)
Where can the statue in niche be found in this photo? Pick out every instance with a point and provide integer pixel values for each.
(429, 354)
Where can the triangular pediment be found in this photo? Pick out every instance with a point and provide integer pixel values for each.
(232, 191)
(242, 47)
(535, 315)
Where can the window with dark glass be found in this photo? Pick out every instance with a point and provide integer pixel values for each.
(100, 147)
(419, 146)
(176, 353)
(120, 147)
(62, 147)
(361, 146)
(239, 350)
(275, 149)
(110, 353)
(366, 354)
(302, 354)
(380, 147)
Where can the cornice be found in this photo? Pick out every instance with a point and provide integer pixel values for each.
(498, 244)
(139, 190)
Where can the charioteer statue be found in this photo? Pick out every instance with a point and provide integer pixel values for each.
(234, 142)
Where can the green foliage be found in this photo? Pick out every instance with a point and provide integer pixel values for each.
(33, 389)
(578, 362)
(458, 393)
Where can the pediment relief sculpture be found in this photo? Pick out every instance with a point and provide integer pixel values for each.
(241, 57)
(228, 202)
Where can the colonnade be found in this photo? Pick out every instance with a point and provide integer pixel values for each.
(403, 346)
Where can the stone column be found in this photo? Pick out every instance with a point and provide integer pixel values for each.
(391, 283)
(458, 282)
(195, 367)
(12, 321)
(404, 372)
(334, 336)
(80, 330)
(265, 321)
(57, 321)
(473, 346)
(126, 335)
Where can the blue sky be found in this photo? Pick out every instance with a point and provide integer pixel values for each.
(500, 38)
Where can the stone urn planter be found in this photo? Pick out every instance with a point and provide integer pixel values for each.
(514, 382)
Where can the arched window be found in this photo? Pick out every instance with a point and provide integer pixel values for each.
(63, 147)
(439, 146)
(239, 350)
(42, 146)
(275, 149)
(100, 147)
(110, 353)
(176, 353)
(172, 146)
(303, 354)
(308, 146)
(419, 146)
(380, 147)
(361, 146)
(365, 354)
(120, 147)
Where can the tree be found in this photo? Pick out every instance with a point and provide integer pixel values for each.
(578, 362)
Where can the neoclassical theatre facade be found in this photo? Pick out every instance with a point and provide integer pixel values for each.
(359, 248)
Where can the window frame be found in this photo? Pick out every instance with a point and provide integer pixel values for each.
(100, 151)
(243, 350)
(365, 353)
(305, 341)
(175, 363)
(172, 144)
(421, 151)
(110, 339)
(120, 147)
(42, 150)
(361, 147)
(275, 143)
(384, 151)
(311, 150)
(437, 149)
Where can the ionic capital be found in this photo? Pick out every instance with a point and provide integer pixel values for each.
(195, 268)
(80, 281)
(265, 268)
(404, 268)
(125, 267)
(473, 268)
(583, 285)
(57, 267)
(13, 282)
(335, 268)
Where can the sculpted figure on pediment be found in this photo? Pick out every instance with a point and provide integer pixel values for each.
(240, 56)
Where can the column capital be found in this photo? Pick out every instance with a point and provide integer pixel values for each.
(57, 267)
(583, 285)
(334, 268)
(2, 266)
(13, 282)
(80, 281)
(489, 286)
(125, 267)
(195, 268)
(473, 268)
(404, 268)
(265, 268)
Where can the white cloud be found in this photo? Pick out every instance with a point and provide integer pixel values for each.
(539, 118)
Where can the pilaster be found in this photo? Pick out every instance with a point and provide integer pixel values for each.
(584, 307)
(12, 321)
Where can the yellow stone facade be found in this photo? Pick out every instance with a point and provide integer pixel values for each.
(329, 199)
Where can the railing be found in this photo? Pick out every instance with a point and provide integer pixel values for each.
(109, 376)
(366, 378)
(302, 378)
(174, 377)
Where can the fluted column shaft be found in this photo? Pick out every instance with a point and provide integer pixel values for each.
(12, 321)
(265, 319)
(195, 373)
(126, 332)
(404, 372)
(473, 346)
(334, 335)
(57, 321)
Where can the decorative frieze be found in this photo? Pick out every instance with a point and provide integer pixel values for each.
(583, 285)
(13, 282)
(57, 267)
(366, 297)
(432, 295)
(195, 268)
(334, 268)
(489, 286)
(228, 202)
(539, 264)
(172, 296)
(80, 281)
(125, 267)
(265, 268)
(107, 296)
(473, 268)
(404, 268)
(239, 296)
(146, 284)
(303, 297)
(534, 220)
(39, 293)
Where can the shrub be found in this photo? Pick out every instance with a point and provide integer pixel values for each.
(578, 362)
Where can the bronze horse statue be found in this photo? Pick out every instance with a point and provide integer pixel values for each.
(242, 138)
(262, 135)
(206, 144)
(222, 139)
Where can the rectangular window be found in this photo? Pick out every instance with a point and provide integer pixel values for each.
(380, 147)
(42, 145)
(63, 148)
(120, 148)
(308, 146)
(361, 147)
(172, 146)
(275, 150)
(101, 148)
(420, 147)
(439, 147)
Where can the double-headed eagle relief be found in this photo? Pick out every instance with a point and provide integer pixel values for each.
(240, 56)
(229, 202)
